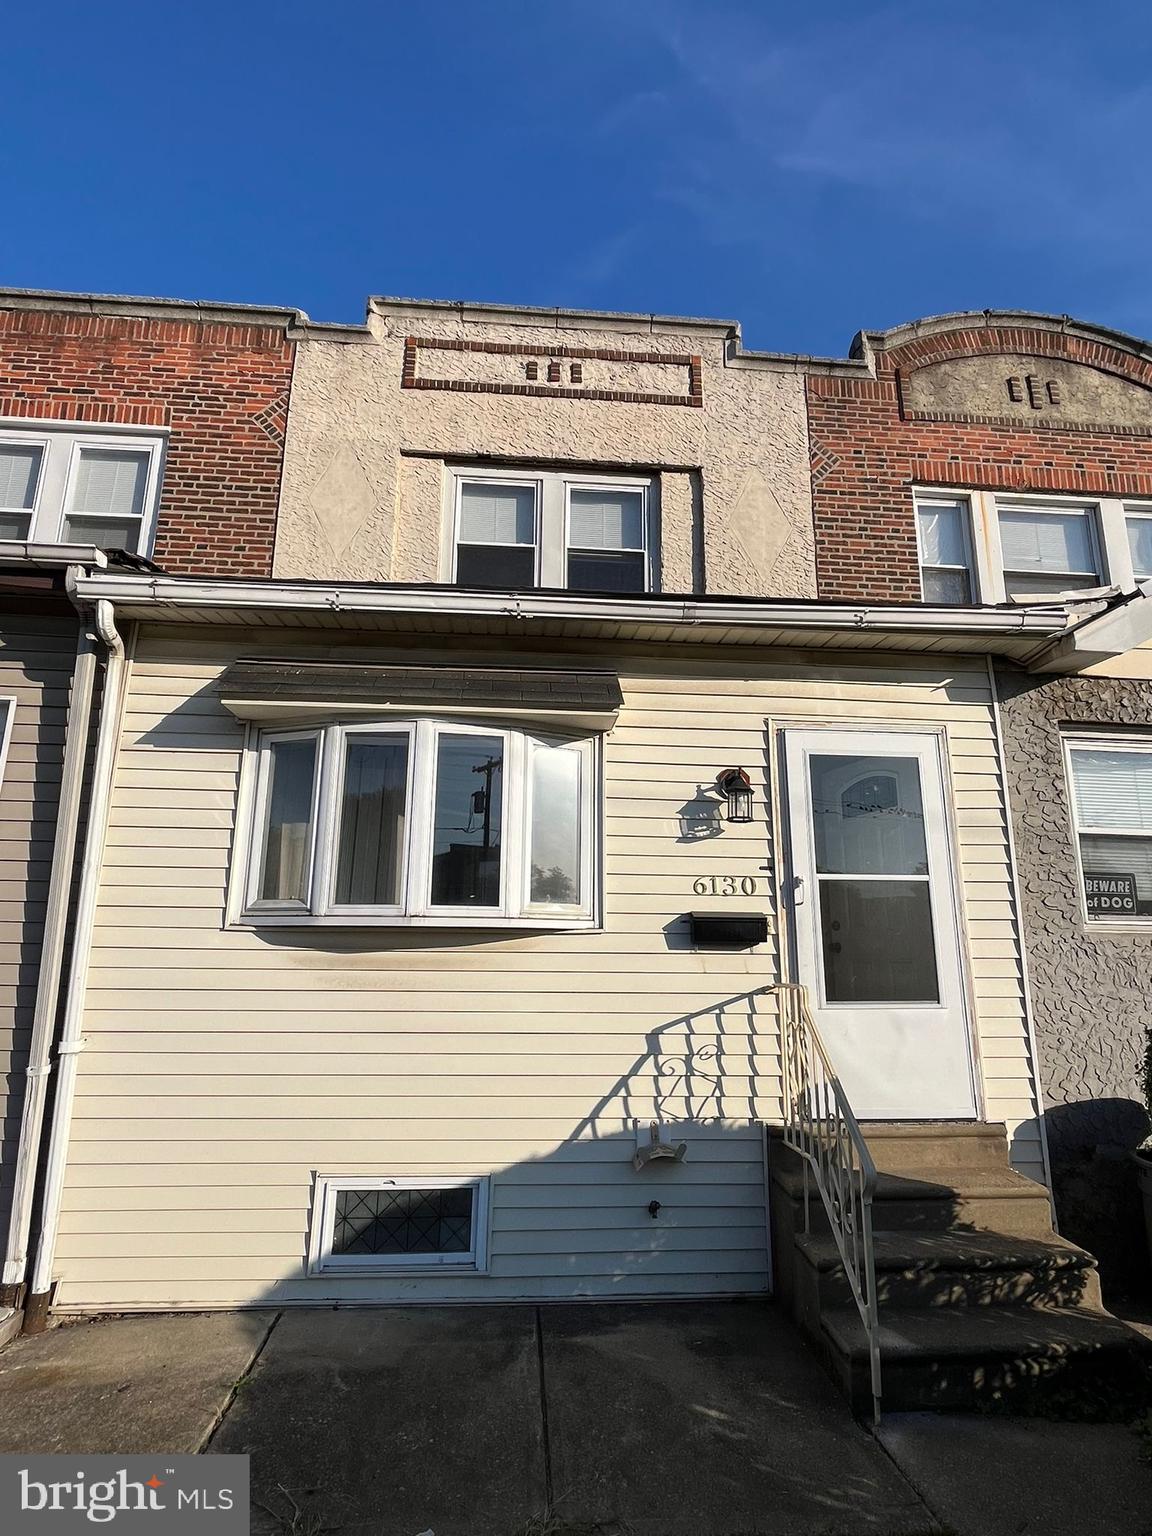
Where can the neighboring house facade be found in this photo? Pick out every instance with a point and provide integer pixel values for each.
(130, 432)
(1001, 456)
(420, 903)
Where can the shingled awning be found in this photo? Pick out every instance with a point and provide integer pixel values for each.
(282, 690)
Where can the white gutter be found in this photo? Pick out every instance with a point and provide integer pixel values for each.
(39, 1066)
(179, 592)
(71, 1041)
(31, 552)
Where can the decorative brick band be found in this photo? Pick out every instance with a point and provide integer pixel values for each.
(411, 379)
(990, 475)
(1016, 423)
(69, 408)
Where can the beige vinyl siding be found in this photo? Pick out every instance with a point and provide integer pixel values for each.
(37, 653)
(225, 1067)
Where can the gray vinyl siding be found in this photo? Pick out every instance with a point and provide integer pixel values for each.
(225, 1067)
(37, 653)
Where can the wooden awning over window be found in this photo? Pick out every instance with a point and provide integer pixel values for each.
(284, 690)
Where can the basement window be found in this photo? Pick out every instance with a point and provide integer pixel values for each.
(423, 822)
(1111, 780)
(368, 1224)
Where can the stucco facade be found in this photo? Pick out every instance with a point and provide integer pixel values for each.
(377, 412)
(1091, 993)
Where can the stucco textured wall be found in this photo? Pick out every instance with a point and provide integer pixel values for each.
(1092, 989)
(363, 473)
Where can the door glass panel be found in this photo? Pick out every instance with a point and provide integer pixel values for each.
(878, 942)
(466, 834)
(372, 807)
(868, 815)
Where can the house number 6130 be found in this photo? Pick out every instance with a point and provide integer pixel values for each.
(724, 885)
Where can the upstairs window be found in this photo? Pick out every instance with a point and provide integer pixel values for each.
(422, 821)
(1112, 812)
(944, 528)
(79, 487)
(1048, 549)
(515, 529)
(1138, 522)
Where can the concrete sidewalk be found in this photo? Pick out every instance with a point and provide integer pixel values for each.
(693, 1419)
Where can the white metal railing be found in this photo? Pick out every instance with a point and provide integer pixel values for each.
(821, 1129)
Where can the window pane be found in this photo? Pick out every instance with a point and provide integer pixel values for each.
(1048, 541)
(103, 532)
(1117, 876)
(605, 573)
(946, 586)
(288, 824)
(1028, 584)
(555, 852)
(399, 1221)
(19, 472)
(1113, 789)
(495, 565)
(868, 815)
(467, 821)
(110, 482)
(13, 527)
(606, 519)
(1140, 542)
(878, 942)
(497, 514)
(943, 540)
(372, 820)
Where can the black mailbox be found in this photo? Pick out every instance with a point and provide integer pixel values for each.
(727, 930)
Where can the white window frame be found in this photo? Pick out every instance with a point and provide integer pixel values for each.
(1109, 532)
(964, 499)
(61, 444)
(552, 489)
(7, 722)
(326, 1188)
(1143, 511)
(1110, 742)
(415, 909)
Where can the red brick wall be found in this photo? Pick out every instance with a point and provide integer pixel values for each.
(866, 455)
(222, 389)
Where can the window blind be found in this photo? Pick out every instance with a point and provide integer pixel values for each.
(606, 520)
(1113, 789)
(19, 471)
(497, 514)
(110, 483)
(1049, 541)
(1140, 543)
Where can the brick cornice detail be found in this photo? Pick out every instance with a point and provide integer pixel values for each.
(948, 346)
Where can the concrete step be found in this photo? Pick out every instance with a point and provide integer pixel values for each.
(922, 1148)
(958, 1269)
(1073, 1361)
(987, 1199)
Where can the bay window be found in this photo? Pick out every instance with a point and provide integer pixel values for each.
(422, 821)
(1111, 779)
(551, 528)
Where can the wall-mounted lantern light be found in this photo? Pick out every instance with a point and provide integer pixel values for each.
(736, 786)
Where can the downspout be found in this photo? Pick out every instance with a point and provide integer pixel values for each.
(71, 1041)
(39, 1068)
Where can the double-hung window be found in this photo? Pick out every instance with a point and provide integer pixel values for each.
(423, 821)
(1111, 779)
(588, 533)
(1138, 523)
(944, 526)
(1048, 548)
(72, 486)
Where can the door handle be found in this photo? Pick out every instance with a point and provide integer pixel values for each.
(797, 890)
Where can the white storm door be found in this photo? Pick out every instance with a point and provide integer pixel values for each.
(876, 923)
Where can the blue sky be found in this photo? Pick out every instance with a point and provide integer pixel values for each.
(805, 169)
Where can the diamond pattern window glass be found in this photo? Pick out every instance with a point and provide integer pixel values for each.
(398, 1221)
